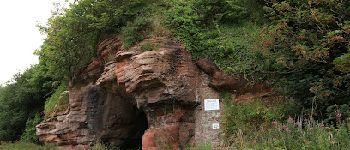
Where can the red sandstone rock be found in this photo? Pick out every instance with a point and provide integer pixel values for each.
(237, 84)
(159, 90)
(207, 66)
(220, 80)
(166, 137)
(109, 47)
(148, 140)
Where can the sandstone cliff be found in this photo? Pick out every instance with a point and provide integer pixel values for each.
(134, 97)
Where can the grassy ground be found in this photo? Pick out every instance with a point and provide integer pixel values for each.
(25, 146)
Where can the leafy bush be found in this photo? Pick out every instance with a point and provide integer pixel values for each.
(308, 52)
(248, 118)
(72, 36)
(58, 101)
(99, 146)
(220, 30)
(132, 32)
(21, 99)
(29, 134)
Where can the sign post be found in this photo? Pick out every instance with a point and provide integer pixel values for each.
(211, 104)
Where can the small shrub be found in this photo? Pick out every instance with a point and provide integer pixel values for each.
(99, 146)
(58, 101)
(132, 32)
(248, 118)
(29, 133)
(147, 47)
(158, 29)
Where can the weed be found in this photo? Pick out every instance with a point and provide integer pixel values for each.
(203, 146)
(25, 146)
(147, 47)
(132, 33)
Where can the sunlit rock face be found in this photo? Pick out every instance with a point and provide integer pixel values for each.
(136, 98)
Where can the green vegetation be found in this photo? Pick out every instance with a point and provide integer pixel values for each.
(289, 136)
(299, 47)
(223, 31)
(21, 100)
(203, 146)
(99, 146)
(72, 36)
(58, 101)
(309, 40)
(148, 47)
(132, 31)
(29, 135)
(249, 118)
(258, 125)
(25, 146)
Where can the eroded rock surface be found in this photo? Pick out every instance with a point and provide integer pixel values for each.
(135, 98)
(238, 85)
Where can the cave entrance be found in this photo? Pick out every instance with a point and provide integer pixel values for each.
(139, 126)
(119, 124)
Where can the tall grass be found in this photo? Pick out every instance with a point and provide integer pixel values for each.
(203, 146)
(290, 136)
(260, 126)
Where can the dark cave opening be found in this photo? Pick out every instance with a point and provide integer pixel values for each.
(118, 123)
(139, 127)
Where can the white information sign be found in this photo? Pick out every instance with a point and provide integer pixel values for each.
(216, 126)
(211, 104)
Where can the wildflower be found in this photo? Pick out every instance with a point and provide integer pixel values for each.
(274, 123)
(290, 120)
(338, 116)
(321, 125)
(285, 128)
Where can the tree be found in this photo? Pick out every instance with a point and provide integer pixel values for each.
(309, 52)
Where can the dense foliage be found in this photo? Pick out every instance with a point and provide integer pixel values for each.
(21, 100)
(308, 51)
(29, 134)
(72, 36)
(221, 30)
(300, 47)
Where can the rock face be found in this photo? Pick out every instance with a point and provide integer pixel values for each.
(136, 98)
(244, 91)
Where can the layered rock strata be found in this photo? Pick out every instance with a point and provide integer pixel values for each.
(130, 99)
(128, 95)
